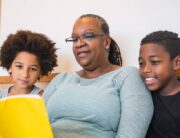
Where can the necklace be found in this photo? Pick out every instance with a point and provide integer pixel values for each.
(107, 69)
(95, 74)
(83, 74)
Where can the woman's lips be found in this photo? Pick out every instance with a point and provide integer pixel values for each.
(82, 54)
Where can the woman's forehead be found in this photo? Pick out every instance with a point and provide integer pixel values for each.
(87, 23)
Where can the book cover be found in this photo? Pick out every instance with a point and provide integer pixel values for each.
(24, 116)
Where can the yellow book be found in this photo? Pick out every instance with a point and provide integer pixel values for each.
(24, 116)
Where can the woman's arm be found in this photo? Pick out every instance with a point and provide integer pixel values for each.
(136, 106)
(49, 91)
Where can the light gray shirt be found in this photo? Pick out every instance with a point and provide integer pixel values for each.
(114, 105)
(4, 92)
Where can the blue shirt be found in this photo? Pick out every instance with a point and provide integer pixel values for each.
(116, 104)
(4, 92)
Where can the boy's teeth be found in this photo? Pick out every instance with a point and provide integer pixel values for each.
(148, 79)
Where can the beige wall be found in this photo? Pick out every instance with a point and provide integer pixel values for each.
(129, 21)
(0, 15)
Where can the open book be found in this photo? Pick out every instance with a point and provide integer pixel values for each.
(24, 116)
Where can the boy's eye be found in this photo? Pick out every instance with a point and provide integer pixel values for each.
(33, 69)
(19, 66)
(154, 62)
(141, 63)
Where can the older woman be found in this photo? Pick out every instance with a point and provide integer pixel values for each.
(102, 100)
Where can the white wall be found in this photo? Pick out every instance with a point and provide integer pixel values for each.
(129, 21)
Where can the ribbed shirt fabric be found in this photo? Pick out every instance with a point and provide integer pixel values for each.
(114, 105)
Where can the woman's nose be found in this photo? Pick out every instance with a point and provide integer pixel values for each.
(80, 43)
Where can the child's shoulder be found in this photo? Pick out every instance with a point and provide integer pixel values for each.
(168, 98)
(4, 92)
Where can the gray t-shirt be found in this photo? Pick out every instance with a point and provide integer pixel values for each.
(4, 92)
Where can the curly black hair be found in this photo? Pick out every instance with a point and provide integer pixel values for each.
(35, 43)
(169, 40)
(114, 52)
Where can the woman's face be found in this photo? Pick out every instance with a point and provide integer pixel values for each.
(25, 70)
(90, 47)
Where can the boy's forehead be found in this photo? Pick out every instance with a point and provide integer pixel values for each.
(152, 48)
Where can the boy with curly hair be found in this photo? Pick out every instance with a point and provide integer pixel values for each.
(27, 56)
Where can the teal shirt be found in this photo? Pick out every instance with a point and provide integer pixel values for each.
(114, 105)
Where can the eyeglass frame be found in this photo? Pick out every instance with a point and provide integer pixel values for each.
(84, 37)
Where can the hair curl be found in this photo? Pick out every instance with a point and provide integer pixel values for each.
(35, 43)
(114, 52)
(169, 40)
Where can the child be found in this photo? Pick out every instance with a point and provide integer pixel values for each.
(27, 56)
(159, 58)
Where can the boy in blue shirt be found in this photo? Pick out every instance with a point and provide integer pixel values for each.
(27, 56)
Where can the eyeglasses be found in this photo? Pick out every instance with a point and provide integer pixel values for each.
(86, 37)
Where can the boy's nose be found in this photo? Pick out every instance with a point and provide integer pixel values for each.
(147, 69)
(25, 73)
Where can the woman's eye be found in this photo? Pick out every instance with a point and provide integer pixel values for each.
(89, 36)
(73, 39)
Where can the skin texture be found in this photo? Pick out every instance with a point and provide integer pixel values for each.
(158, 70)
(25, 71)
(91, 55)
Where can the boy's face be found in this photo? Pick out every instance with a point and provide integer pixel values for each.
(156, 67)
(25, 70)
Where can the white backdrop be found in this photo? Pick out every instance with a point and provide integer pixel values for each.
(129, 21)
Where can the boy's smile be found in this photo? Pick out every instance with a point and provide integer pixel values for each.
(156, 67)
(150, 81)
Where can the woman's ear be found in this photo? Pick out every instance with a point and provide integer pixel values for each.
(176, 63)
(107, 42)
